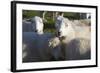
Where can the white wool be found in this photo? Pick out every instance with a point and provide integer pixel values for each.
(54, 42)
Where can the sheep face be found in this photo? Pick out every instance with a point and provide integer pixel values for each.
(63, 26)
(37, 23)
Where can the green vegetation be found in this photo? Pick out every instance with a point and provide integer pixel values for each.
(49, 27)
(29, 13)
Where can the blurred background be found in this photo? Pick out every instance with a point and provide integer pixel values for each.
(50, 16)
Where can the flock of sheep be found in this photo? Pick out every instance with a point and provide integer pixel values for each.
(72, 40)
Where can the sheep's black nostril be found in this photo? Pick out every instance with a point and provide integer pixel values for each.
(59, 33)
(62, 38)
(35, 30)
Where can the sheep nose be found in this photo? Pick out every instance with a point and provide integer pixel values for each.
(59, 33)
(36, 30)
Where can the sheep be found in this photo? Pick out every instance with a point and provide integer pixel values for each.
(34, 24)
(75, 41)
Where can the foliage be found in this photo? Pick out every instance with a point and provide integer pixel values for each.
(29, 14)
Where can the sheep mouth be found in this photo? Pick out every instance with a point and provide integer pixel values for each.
(61, 38)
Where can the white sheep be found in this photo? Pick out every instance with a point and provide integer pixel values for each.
(35, 24)
(75, 40)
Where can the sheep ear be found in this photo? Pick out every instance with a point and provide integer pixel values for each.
(41, 20)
